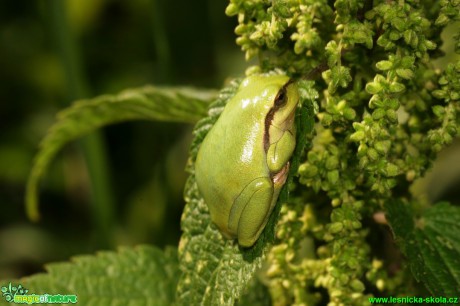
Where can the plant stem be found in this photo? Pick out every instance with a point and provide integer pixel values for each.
(92, 146)
(161, 43)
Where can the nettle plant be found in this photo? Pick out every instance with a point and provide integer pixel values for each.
(373, 114)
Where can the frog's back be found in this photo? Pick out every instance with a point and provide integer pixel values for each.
(232, 154)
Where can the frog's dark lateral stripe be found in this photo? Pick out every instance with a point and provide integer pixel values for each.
(271, 113)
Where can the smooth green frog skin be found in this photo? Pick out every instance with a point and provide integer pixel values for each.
(244, 159)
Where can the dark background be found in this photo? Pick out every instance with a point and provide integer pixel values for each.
(53, 52)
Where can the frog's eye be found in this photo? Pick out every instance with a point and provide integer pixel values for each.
(281, 98)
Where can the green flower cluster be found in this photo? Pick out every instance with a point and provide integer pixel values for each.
(384, 112)
(264, 31)
(446, 113)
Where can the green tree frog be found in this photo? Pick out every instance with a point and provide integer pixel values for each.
(244, 159)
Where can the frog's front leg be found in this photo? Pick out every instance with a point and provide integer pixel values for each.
(280, 152)
(251, 210)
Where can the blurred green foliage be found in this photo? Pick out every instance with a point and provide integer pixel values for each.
(54, 51)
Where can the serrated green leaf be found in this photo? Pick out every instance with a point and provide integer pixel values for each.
(175, 104)
(430, 244)
(217, 271)
(139, 276)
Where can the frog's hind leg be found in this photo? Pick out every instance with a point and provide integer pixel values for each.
(251, 210)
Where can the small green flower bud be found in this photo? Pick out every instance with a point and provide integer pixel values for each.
(399, 23)
(375, 102)
(392, 115)
(313, 157)
(408, 36)
(327, 75)
(231, 10)
(380, 284)
(377, 264)
(405, 73)
(395, 35)
(370, 14)
(451, 128)
(443, 81)
(362, 150)
(250, 53)
(384, 65)
(372, 154)
(358, 126)
(439, 94)
(326, 119)
(382, 146)
(336, 202)
(363, 162)
(332, 163)
(344, 278)
(392, 103)
(410, 175)
(281, 9)
(242, 40)
(333, 176)
(447, 138)
(442, 20)
(414, 42)
(414, 122)
(336, 227)
(308, 170)
(454, 95)
(352, 262)
(430, 45)
(407, 61)
(240, 29)
(391, 170)
(357, 285)
(337, 215)
(298, 46)
(257, 35)
(358, 136)
(373, 88)
(252, 70)
(349, 113)
(358, 205)
(396, 87)
(341, 105)
(383, 41)
(379, 113)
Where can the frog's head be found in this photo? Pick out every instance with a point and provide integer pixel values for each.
(280, 118)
